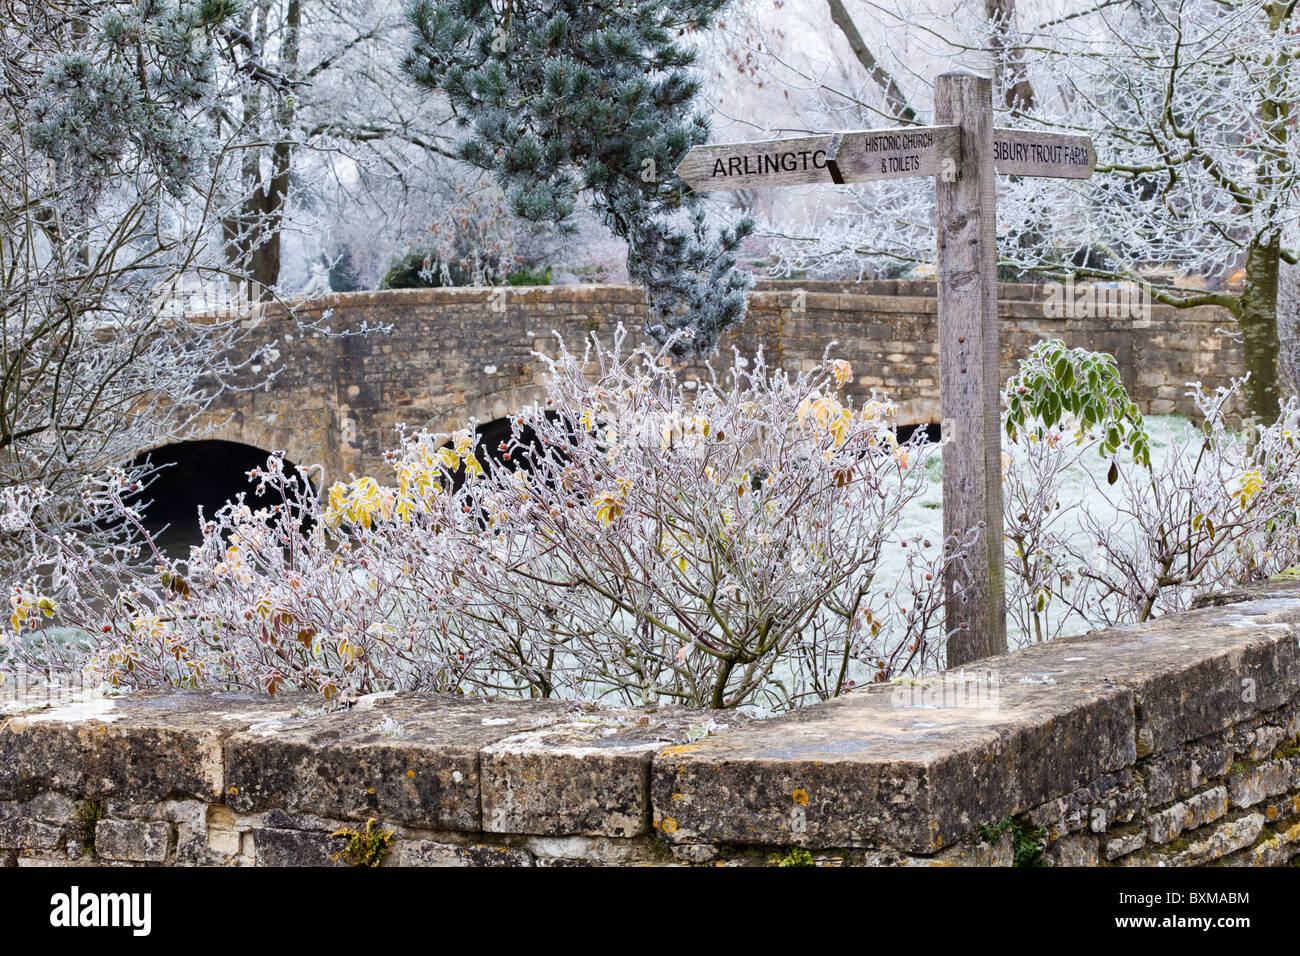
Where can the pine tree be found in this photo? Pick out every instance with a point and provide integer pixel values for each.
(119, 93)
(565, 97)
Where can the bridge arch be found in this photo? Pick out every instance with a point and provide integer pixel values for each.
(198, 473)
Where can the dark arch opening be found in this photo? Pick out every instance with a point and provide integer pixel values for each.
(495, 448)
(931, 431)
(190, 474)
(491, 438)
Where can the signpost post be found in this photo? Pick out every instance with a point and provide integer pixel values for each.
(961, 152)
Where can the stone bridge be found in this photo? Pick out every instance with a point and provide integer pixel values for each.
(455, 353)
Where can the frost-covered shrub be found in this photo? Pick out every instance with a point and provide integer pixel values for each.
(744, 541)
(644, 538)
(1146, 533)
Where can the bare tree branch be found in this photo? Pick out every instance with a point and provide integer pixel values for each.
(894, 98)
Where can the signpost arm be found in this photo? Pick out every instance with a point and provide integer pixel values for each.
(969, 374)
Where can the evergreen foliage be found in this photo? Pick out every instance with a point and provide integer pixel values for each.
(344, 275)
(566, 97)
(529, 276)
(123, 98)
(423, 270)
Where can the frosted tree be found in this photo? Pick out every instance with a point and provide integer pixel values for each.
(1189, 103)
(106, 189)
(565, 98)
(1288, 317)
(1191, 107)
(333, 138)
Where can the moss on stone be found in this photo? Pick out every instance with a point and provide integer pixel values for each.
(797, 856)
(1265, 834)
(989, 832)
(1287, 748)
(1028, 842)
(366, 847)
(86, 817)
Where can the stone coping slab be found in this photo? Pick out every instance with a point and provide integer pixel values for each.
(890, 296)
(915, 766)
(919, 764)
(146, 746)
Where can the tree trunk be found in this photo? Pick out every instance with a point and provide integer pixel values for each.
(252, 235)
(266, 264)
(1017, 92)
(1288, 326)
(1259, 294)
(1258, 321)
(894, 99)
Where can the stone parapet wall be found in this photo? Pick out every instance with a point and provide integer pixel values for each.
(452, 354)
(1172, 743)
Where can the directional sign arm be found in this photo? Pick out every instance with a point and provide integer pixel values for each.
(798, 161)
(1023, 152)
(832, 159)
(860, 156)
(850, 157)
(901, 153)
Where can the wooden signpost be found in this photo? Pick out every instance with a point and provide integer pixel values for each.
(961, 152)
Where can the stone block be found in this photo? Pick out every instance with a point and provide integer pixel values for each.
(1175, 774)
(25, 833)
(1204, 846)
(1109, 798)
(1080, 849)
(1252, 785)
(695, 852)
(427, 853)
(594, 851)
(52, 807)
(1287, 806)
(345, 766)
(585, 776)
(190, 813)
(1277, 850)
(1195, 811)
(133, 840)
(146, 747)
(296, 848)
(870, 768)
(1258, 743)
(1122, 844)
(224, 842)
(1193, 674)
